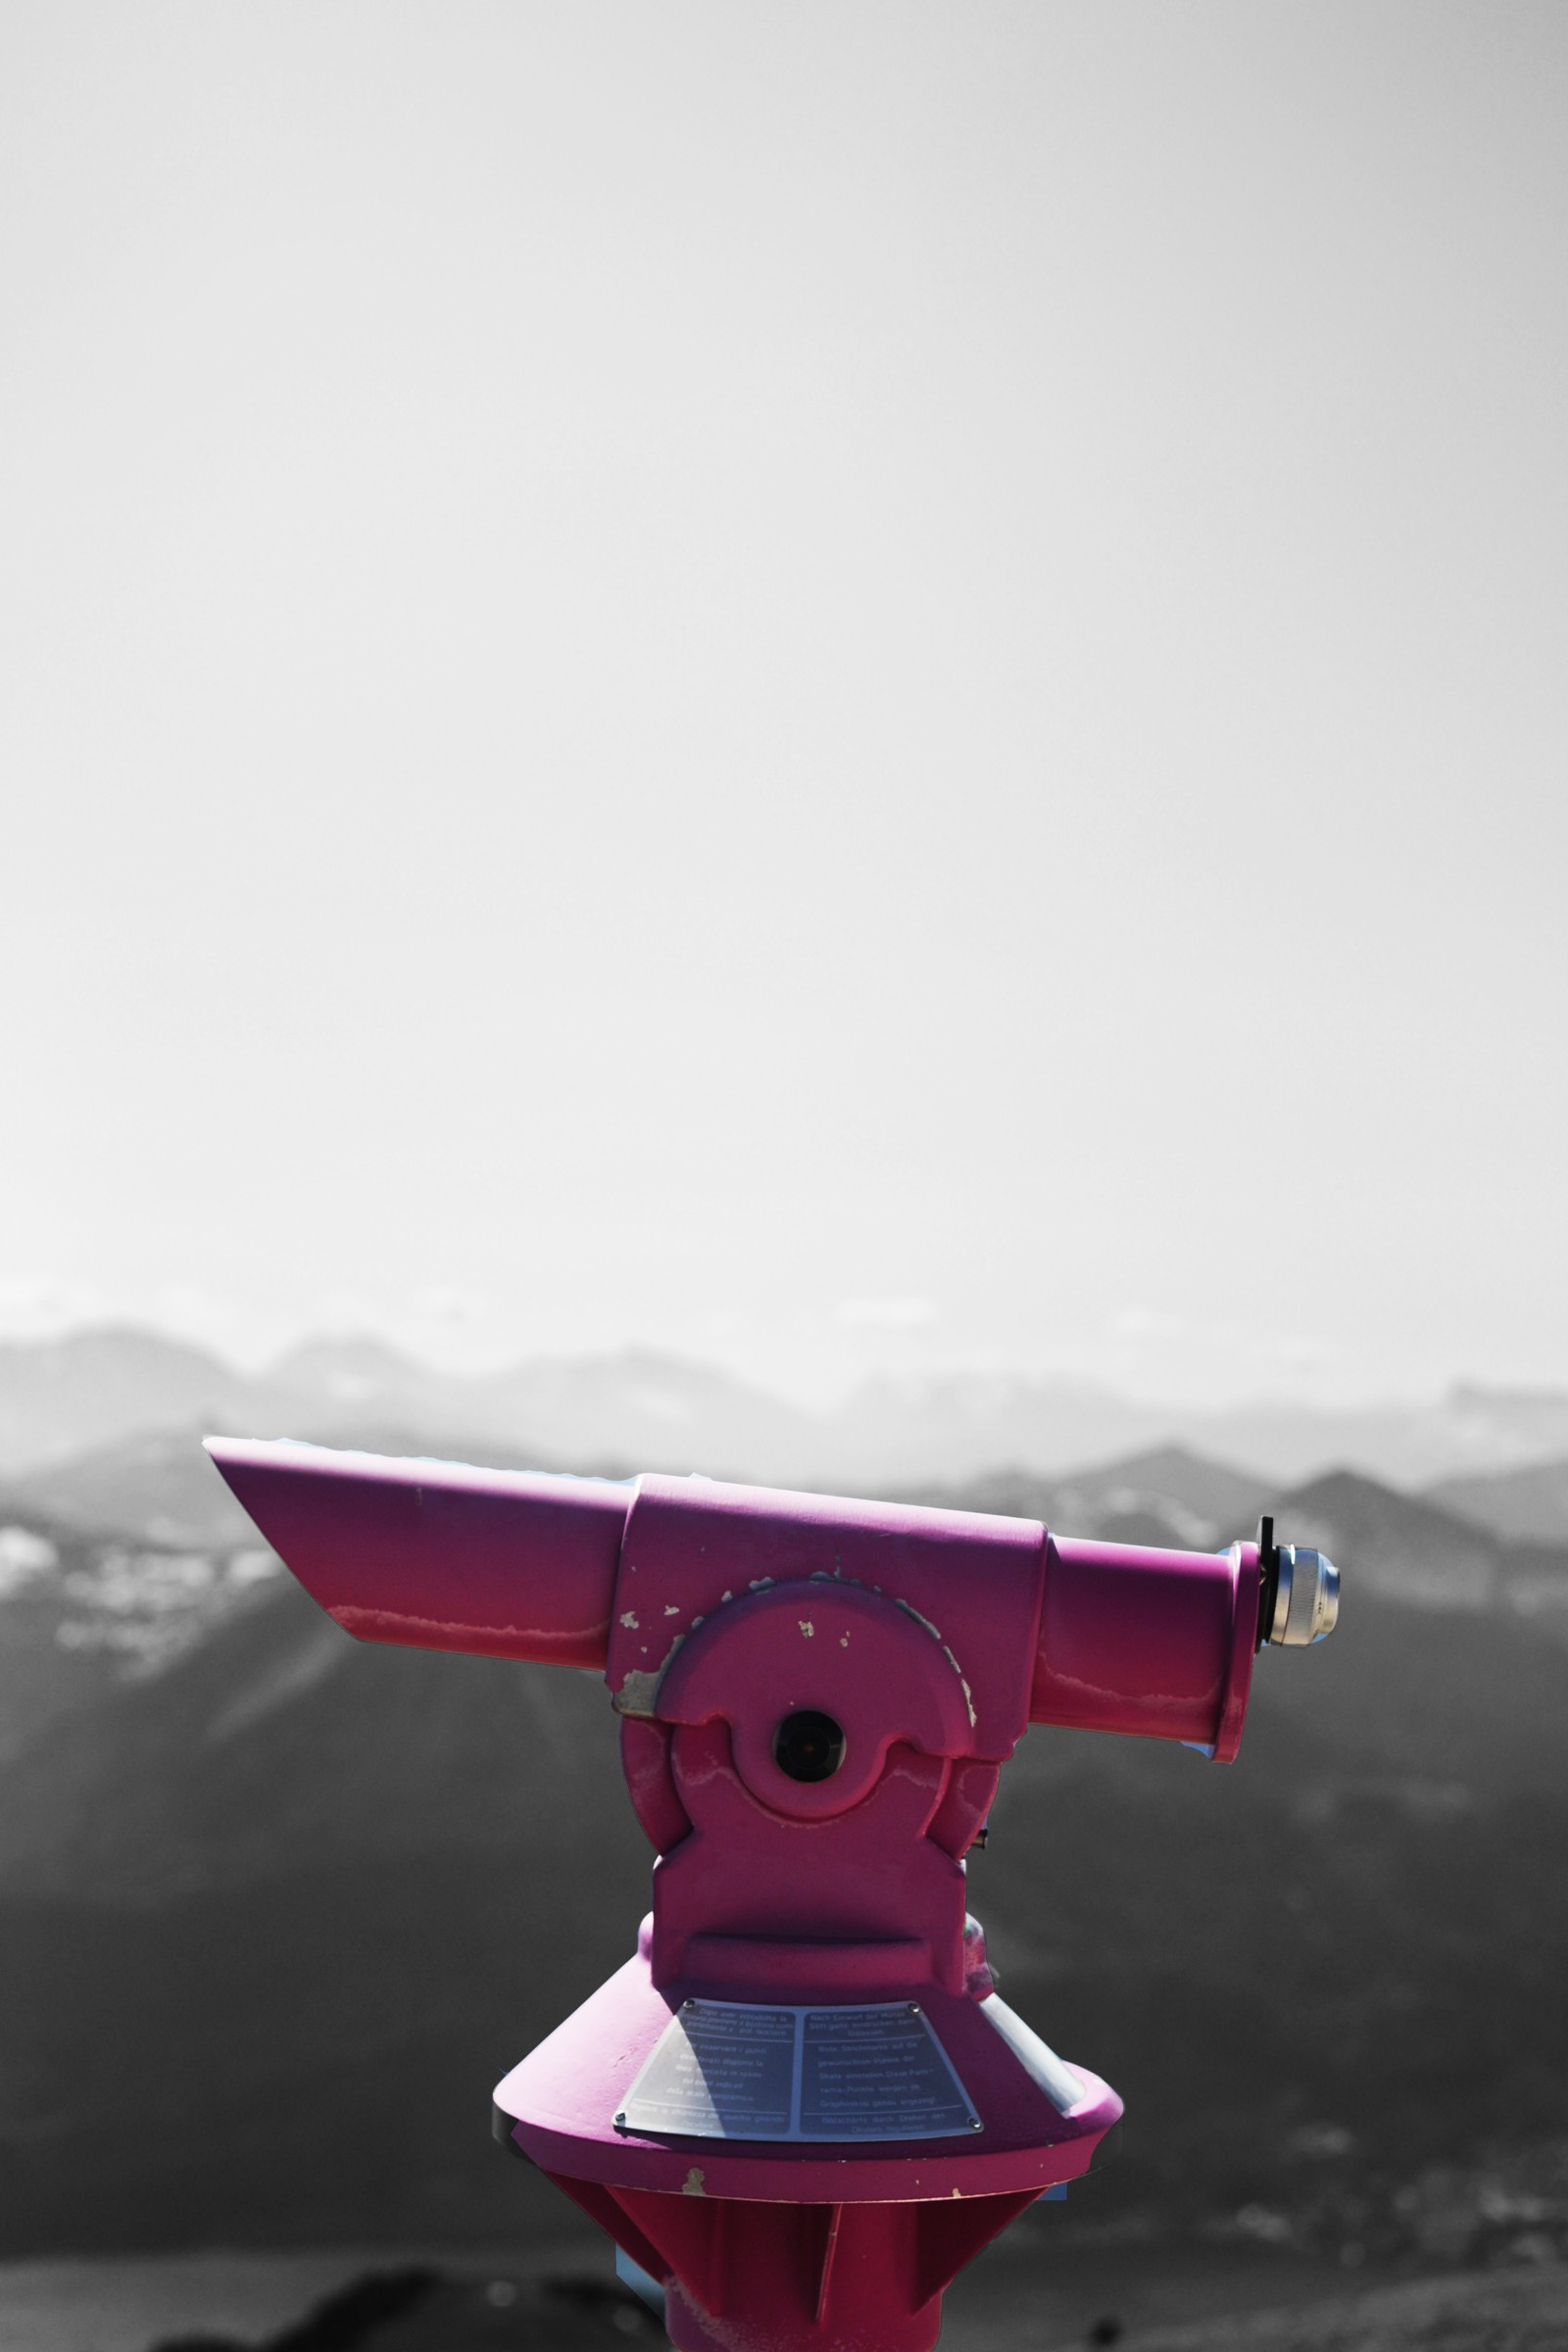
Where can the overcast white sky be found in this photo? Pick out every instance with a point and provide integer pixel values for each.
(827, 685)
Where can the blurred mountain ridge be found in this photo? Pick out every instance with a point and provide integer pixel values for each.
(97, 1425)
(1529, 1503)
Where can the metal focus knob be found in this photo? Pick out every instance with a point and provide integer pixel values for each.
(1298, 1592)
(1307, 1598)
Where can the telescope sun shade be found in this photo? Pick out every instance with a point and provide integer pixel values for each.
(435, 1556)
(1155, 1642)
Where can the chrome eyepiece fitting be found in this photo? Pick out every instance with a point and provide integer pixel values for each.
(1306, 1603)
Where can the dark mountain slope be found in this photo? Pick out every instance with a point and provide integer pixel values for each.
(1419, 1554)
(1530, 1504)
(1354, 1932)
(272, 1923)
(278, 1742)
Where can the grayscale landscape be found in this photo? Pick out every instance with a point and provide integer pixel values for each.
(292, 1895)
(822, 741)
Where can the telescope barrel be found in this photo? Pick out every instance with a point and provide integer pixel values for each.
(524, 1564)
(435, 1556)
(1150, 1641)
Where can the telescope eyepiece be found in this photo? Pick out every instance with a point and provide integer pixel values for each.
(1306, 1603)
(809, 1746)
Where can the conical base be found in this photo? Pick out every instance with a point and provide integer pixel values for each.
(743, 2276)
(788, 2244)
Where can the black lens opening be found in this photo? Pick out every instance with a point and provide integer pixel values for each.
(809, 1746)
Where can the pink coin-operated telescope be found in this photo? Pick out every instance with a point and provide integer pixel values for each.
(801, 2105)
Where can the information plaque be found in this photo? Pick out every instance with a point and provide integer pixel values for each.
(734, 2070)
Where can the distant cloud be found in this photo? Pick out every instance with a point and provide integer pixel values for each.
(343, 1314)
(186, 1306)
(1147, 1323)
(1147, 1335)
(37, 1305)
(1299, 1350)
(1287, 1347)
(442, 1303)
(885, 1314)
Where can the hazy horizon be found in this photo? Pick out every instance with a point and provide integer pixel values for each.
(817, 1400)
(836, 689)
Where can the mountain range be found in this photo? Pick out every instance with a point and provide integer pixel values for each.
(96, 1427)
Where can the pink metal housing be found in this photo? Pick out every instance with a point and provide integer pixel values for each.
(507, 1563)
(1156, 1642)
(527, 1564)
(930, 1638)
